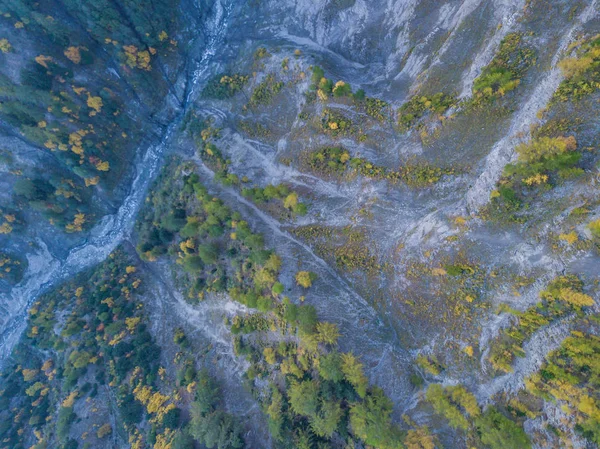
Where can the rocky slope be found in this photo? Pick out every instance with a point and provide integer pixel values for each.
(433, 164)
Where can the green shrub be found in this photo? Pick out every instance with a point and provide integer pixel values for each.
(266, 91)
(341, 89)
(278, 288)
(208, 253)
(66, 416)
(317, 74)
(503, 74)
(582, 76)
(330, 367)
(594, 226)
(193, 264)
(443, 405)
(370, 421)
(307, 319)
(499, 432)
(223, 86)
(415, 108)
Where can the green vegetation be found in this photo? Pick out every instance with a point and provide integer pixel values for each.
(582, 72)
(89, 372)
(337, 162)
(325, 88)
(542, 157)
(422, 174)
(255, 129)
(61, 200)
(594, 227)
(279, 199)
(11, 267)
(504, 73)
(570, 377)
(368, 420)
(557, 151)
(542, 162)
(209, 425)
(87, 343)
(563, 296)
(87, 125)
(5, 46)
(265, 92)
(184, 219)
(498, 432)
(316, 394)
(223, 86)
(375, 107)
(329, 161)
(453, 403)
(490, 427)
(459, 269)
(418, 106)
(347, 247)
(430, 364)
(288, 198)
(305, 278)
(337, 124)
(341, 89)
(261, 53)
(317, 75)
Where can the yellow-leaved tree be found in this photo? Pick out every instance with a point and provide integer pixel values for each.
(73, 54)
(305, 278)
(5, 46)
(94, 103)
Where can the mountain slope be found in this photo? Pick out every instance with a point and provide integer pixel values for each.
(381, 218)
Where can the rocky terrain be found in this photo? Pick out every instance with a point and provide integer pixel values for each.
(299, 224)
